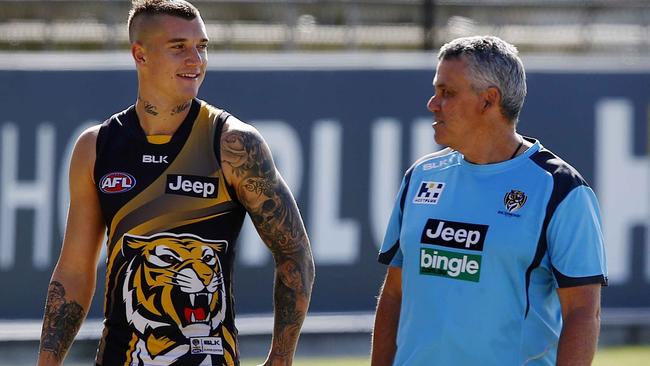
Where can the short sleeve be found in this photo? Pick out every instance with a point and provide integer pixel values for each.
(390, 252)
(575, 240)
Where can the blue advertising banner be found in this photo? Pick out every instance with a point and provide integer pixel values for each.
(342, 139)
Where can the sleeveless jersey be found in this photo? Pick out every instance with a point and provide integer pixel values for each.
(172, 222)
(483, 249)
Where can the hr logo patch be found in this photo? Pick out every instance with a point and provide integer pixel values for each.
(429, 193)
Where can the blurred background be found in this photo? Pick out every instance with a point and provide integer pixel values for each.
(338, 88)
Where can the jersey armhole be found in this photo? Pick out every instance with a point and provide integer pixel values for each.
(216, 147)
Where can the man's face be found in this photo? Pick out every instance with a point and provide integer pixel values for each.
(456, 107)
(175, 51)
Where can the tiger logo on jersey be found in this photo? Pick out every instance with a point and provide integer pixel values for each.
(174, 292)
(514, 200)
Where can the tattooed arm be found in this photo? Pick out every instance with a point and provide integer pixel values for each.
(73, 280)
(249, 168)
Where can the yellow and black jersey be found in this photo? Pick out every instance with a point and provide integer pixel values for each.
(172, 222)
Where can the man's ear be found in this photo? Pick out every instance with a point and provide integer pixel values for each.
(138, 53)
(491, 98)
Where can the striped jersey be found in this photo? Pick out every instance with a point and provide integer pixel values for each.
(172, 222)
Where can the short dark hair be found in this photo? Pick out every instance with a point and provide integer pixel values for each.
(177, 8)
(492, 62)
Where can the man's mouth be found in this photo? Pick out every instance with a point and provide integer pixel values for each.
(189, 76)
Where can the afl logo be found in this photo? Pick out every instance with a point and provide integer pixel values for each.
(116, 182)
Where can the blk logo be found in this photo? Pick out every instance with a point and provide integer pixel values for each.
(155, 159)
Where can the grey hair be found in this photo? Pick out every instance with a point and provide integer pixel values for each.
(492, 62)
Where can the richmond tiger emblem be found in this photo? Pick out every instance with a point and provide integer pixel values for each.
(174, 295)
(514, 200)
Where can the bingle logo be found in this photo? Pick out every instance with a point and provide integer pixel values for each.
(116, 182)
(454, 234)
(192, 186)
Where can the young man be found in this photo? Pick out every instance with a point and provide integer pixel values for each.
(494, 247)
(171, 179)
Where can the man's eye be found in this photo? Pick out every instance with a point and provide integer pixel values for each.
(177, 46)
(202, 46)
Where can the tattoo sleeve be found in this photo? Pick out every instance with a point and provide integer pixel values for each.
(61, 321)
(275, 214)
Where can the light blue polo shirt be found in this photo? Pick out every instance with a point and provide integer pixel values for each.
(483, 249)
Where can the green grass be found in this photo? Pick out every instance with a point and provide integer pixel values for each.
(627, 356)
(614, 356)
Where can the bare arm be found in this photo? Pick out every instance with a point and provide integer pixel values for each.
(249, 168)
(581, 324)
(73, 280)
(384, 335)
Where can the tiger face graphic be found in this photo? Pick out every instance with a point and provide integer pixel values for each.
(514, 200)
(173, 290)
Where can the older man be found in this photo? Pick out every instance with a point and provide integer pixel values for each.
(494, 247)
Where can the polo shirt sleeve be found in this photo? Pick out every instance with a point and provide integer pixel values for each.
(575, 240)
(390, 253)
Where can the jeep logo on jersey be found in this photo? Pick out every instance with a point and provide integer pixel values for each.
(116, 182)
(454, 234)
(192, 185)
(460, 266)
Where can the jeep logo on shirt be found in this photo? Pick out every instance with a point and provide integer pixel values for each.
(454, 234)
(192, 185)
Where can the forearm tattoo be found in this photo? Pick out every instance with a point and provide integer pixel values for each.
(275, 215)
(61, 321)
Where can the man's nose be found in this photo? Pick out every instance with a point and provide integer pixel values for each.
(194, 57)
(433, 105)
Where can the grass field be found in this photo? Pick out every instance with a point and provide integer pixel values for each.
(617, 356)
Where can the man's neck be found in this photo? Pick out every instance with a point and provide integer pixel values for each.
(159, 118)
(494, 146)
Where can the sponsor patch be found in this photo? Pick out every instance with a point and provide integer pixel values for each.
(206, 345)
(117, 182)
(459, 266)
(192, 186)
(453, 234)
(429, 193)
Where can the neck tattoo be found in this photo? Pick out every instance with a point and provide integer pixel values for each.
(180, 108)
(148, 107)
(521, 143)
